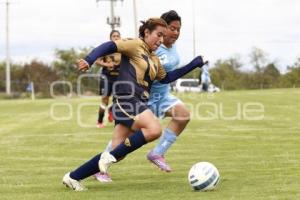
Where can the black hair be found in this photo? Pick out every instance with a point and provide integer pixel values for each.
(170, 16)
(112, 32)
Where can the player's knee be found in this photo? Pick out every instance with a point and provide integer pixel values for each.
(154, 131)
(183, 117)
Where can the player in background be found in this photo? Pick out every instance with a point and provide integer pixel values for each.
(139, 68)
(110, 70)
(205, 79)
(161, 101)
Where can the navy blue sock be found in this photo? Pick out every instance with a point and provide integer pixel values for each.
(87, 169)
(131, 143)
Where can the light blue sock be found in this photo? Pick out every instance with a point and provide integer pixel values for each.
(166, 140)
(108, 148)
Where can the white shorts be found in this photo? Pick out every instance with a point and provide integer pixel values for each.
(159, 105)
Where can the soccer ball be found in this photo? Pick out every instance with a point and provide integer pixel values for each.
(203, 176)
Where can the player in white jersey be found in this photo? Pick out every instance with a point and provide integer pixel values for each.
(161, 102)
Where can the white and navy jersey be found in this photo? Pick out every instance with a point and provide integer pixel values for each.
(169, 59)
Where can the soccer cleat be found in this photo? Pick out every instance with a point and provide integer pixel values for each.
(159, 161)
(100, 125)
(106, 160)
(72, 183)
(110, 116)
(103, 177)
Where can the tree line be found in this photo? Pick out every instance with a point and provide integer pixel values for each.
(226, 74)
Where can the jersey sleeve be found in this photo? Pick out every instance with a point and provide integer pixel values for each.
(128, 46)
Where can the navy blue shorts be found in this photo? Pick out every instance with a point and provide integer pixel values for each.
(106, 85)
(126, 109)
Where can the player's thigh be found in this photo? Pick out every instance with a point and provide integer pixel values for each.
(146, 119)
(149, 124)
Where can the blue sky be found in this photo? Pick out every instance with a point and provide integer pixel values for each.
(223, 28)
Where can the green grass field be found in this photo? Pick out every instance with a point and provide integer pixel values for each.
(257, 159)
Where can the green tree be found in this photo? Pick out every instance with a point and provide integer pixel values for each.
(225, 74)
(292, 77)
(258, 58)
(65, 63)
(2, 77)
(15, 71)
(41, 74)
(235, 62)
(271, 76)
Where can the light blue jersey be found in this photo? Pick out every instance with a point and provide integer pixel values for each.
(205, 77)
(169, 59)
(160, 98)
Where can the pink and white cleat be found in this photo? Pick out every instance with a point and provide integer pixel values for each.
(159, 161)
(103, 177)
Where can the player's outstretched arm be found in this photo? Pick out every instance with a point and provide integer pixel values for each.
(106, 64)
(177, 73)
(102, 50)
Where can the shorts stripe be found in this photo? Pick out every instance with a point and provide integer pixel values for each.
(127, 114)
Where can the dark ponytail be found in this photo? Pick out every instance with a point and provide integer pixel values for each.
(151, 25)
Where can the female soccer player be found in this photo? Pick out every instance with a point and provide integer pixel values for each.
(139, 68)
(110, 70)
(161, 102)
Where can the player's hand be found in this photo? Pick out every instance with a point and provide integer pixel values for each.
(82, 65)
(203, 60)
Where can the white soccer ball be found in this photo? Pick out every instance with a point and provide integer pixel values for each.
(203, 176)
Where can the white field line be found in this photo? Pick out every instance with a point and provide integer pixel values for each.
(63, 134)
(249, 129)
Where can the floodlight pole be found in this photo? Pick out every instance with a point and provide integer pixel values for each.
(135, 19)
(194, 31)
(113, 21)
(8, 83)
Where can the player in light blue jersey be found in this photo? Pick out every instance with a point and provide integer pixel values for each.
(161, 102)
(205, 78)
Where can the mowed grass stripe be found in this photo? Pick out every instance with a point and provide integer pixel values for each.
(256, 159)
